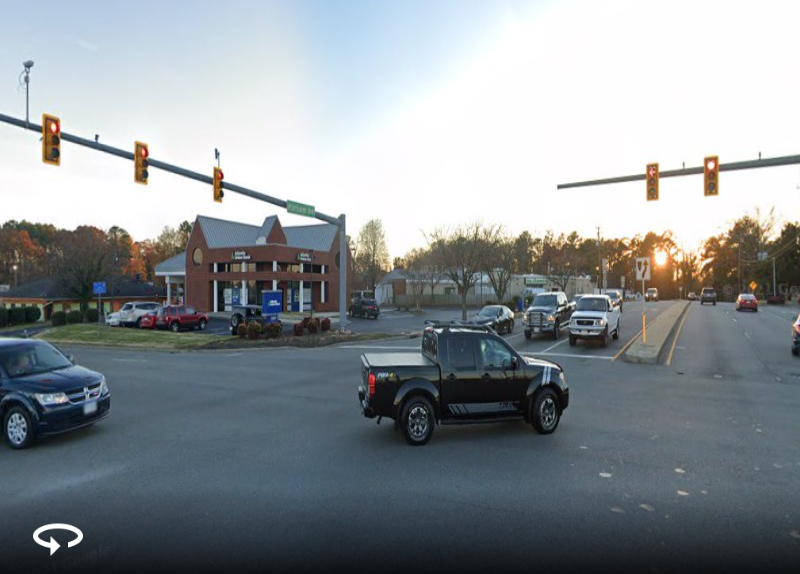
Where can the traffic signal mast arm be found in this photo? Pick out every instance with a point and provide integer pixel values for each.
(125, 154)
(733, 166)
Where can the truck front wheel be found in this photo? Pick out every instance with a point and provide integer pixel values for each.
(545, 411)
(417, 420)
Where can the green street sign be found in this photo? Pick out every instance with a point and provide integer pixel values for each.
(300, 209)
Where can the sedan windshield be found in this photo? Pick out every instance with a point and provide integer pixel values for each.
(592, 304)
(544, 301)
(489, 312)
(30, 359)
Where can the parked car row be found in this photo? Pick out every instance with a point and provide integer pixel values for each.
(148, 315)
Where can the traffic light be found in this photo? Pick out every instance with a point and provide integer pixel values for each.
(651, 176)
(51, 139)
(218, 177)
(140, 154)
(711, 175)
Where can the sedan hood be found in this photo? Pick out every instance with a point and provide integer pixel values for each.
(55, 381)
(485, 320)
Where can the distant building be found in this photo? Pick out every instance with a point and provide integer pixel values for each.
(228, 263)
(44, 294)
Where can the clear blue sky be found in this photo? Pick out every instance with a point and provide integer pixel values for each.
(417, 113)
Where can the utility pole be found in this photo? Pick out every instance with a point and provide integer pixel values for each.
(739, 267)
(599, 262)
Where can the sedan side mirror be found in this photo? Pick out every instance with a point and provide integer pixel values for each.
(514, 364)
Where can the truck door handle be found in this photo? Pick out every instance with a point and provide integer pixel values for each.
(451, 377)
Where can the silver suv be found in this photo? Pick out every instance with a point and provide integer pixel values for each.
(131, 313)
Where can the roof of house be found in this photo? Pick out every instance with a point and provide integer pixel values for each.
(173, 266)
(220, 233)
(48, 290)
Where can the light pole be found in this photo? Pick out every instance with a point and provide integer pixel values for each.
(27, 64)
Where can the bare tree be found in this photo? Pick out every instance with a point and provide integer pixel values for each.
(500, 263)
(414, 273)
(372, 252)
(463, 252)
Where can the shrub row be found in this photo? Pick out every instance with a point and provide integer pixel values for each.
(19, 316)
(254, 330)
(313, 325)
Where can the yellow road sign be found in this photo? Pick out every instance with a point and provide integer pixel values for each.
(753, 286)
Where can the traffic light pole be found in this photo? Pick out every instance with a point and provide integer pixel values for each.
(734, 166)
(124, 154)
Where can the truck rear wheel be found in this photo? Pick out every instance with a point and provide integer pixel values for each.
(417, 420)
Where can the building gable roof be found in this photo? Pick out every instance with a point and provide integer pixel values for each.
(222, 234)
(173, 266)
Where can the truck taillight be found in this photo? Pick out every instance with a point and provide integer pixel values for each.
(371, 383)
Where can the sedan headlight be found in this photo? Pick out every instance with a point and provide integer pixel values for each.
(103, 387)
(50, 399)
(550, 318)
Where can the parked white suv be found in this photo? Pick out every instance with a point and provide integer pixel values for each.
(131, 313)
(594, 318)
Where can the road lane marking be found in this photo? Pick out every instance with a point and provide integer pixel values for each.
(677, 334)
(628, 344)
(746, 334)
(554, 346)
(569, 355)
(416, 348)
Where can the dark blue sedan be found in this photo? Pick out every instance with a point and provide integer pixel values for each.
(42, 392)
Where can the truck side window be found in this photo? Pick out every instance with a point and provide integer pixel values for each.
(494, 355)
(461, 353)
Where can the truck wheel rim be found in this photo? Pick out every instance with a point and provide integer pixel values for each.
(17, 429)
(418, 421)
(547, 413)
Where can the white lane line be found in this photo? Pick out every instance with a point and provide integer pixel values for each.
(746, 334)
(130, 360)
(417, 348)
(554, 346)
(571, 356)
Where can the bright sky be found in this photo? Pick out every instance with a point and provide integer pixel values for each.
(419, 113)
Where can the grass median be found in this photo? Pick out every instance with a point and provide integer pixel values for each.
(105, 336)
(122, 337)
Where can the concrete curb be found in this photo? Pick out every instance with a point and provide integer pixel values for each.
(657, 336)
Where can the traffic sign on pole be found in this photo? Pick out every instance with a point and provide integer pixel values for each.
(643, 269)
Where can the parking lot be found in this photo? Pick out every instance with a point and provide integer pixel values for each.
(241, 454)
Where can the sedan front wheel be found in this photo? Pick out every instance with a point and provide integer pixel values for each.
(18, 428)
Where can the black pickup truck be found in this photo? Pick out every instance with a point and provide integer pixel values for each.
(465, 374)
(549, 313)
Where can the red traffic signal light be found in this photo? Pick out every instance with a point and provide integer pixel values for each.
(651, 178)
(141, 152)
(711, 175)
(218, 177)
(51, 139)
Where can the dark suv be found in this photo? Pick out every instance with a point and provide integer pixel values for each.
(362, 307)
(708, 296)
(42, 392)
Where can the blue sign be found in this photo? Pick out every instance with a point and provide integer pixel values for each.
(236, 296)
(99, 287)
(271, 302)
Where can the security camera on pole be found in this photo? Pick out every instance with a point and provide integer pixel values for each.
(643, 274)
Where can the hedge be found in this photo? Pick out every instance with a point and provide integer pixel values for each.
(74, 317)
(3, 317)
(241, 330)
(58, 318)
(16, 316)
(313, 325)
(32, 314)
(298, 329)
(253, 330)
(272, 330)
(92, 315)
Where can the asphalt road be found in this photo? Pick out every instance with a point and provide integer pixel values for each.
(261, 460)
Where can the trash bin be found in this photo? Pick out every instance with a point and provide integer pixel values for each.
(519, 304)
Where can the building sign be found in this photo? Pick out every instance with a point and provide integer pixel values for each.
(99, 287)
(533, 281)
(271, 302)
(304, 257)
(240, 256)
